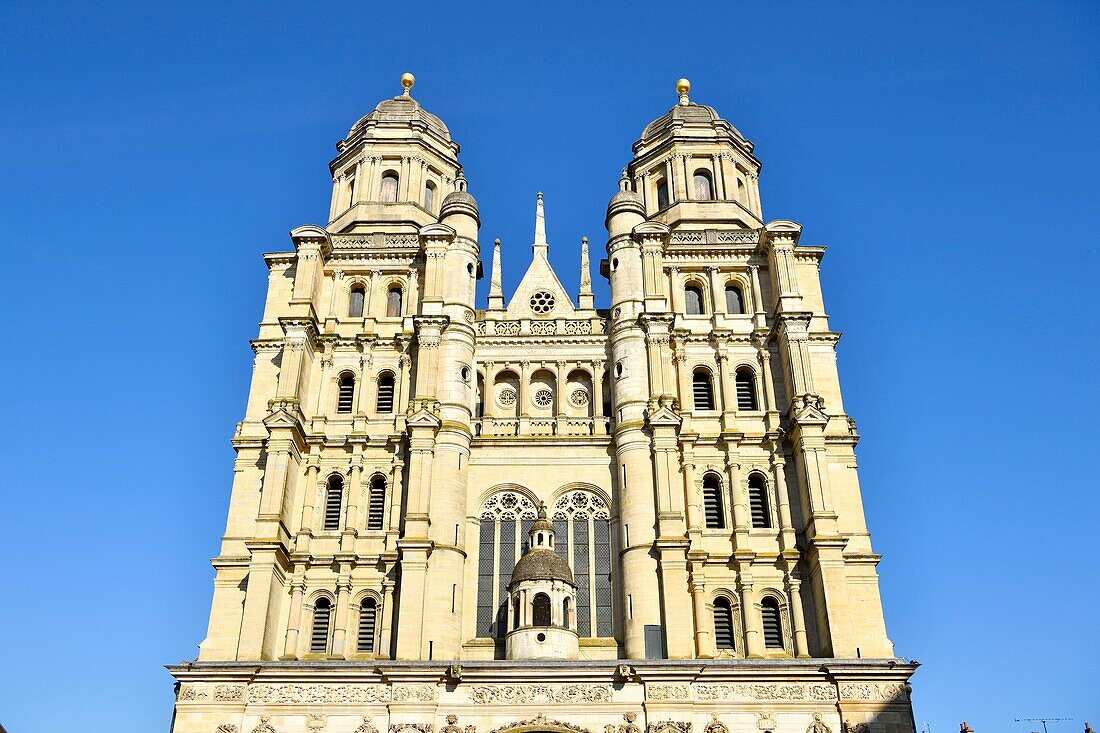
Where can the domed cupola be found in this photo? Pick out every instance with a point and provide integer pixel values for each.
(394, 168)
(542, 603)
(692, 168)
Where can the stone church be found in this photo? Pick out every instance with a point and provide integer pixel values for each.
(545, 514)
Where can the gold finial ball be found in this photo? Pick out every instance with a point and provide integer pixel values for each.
(407, 81)
(683, 86)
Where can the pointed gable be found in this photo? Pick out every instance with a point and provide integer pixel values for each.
(540, 293)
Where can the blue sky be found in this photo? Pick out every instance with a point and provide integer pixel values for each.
(945, 152)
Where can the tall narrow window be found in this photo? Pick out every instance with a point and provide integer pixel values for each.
(701, 391)
(693, 300)
(662, 194)
(704, 191)
(746, 390)
(351, 191)
(741, 190)
(385, 393)
(758, 502)
(393, 302)
(540, 610)
(389, 187)
(712, 502)
(346, 398)
(735, 302)
(318, 637)
(723, 623)
(773, 627)
(429, 196)
(377, 504)
(355, 302)
(334, 497)
(368, 616)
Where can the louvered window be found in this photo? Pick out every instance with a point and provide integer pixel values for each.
(701, 391)
(712, 503)
(773, 628)
(723, 623)
(318, 638)
(385, 393)
(393, 302)
(746, 390)
(758, 502)
(735, 302)
(693, 300)
(377, 506)
(334, 496)
(355, 302)
(368, 613)
(346, 398)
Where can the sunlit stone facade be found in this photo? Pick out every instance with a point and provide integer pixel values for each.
(687, 443)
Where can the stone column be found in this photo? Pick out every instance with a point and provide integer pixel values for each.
(704, 644)
(487, 401)
(386, 618)
(727, 390)
(798, 622)
(401, 399)
(760, 317)
(561, 386)
(719, 178)
(717, 291)
(783, 502)
(305, 529)
(298, 587)
(354, 490)
(670, 184)
(396, 481)
(683, 374)
(750, 615)
(598, 424)
(524, 397)
(343, 601)
(677, 292)
(689, 179)
(738, 497)
(692, 499)
(337, 283)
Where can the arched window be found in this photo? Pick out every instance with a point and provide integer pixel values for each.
(701, 391)
(384, 403)
(515, 612)
(318, 637)
(704, 191)
(741, 190)
(723, 623)
(393, 302)
(350, 188)
(662, 194)
(773, 627)
(377, 503)
(389, 187)
(758, 502)
(355, 302)
(429, 196)
(540, 610)
(735, 302)
(368, 617)
(746, 390)
(346, 397)
(566, 611)
(712, 502)
(334, 497)
(693, 300)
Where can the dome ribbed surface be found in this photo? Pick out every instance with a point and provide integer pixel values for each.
(542, 564)
(402, 110)
(685, 114)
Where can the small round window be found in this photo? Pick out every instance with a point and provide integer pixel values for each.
(544, 398)
(542, 302)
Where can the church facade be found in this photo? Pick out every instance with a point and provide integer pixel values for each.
(544, 515)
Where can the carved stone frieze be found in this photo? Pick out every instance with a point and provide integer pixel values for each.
(264, 726)
(534, 694)
(366, 726)
(415, 693)
(668, 692)
(711, 692)
(411, 728)
(296, 694)
(887, 693)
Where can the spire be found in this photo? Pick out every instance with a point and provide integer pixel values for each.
(496, 297)
(584, 302)
(540, 246)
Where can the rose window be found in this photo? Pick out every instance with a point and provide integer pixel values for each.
(544, 398)
(542, 302)
(507, 397)
(579, 397)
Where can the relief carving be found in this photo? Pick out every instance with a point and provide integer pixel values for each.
(227, 728)
(414, 693)
(626, 727)
(533, 694)
(264, 726)
(668, 726)
(818, 726)
(316, 722)
(540, 721)
(668, 692)
(764, 692)
(365, 726)
(296, 694)
(715, 725)
(453, 727)
(411, 728)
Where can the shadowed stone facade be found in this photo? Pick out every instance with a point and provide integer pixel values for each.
(687, 447)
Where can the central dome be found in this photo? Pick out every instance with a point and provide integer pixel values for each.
(400, 110)
(542, 564)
